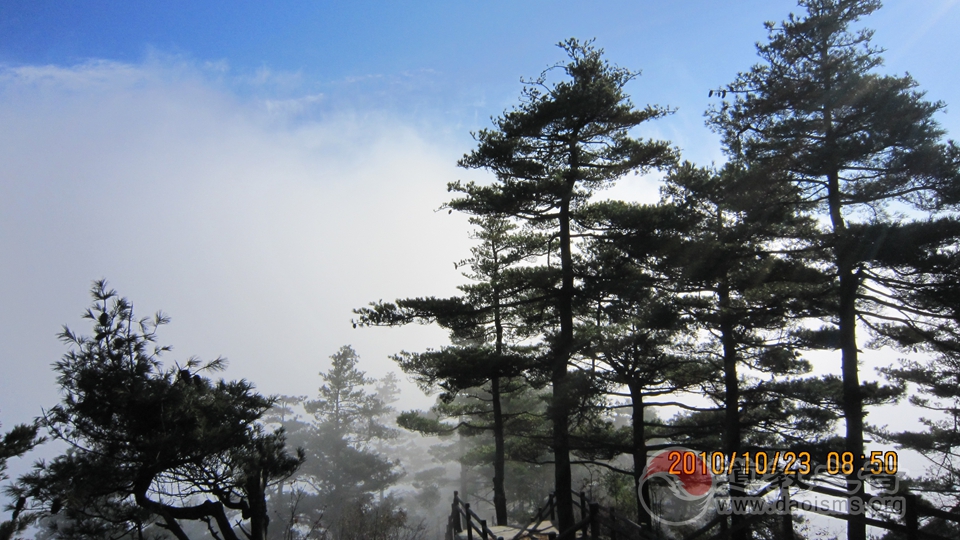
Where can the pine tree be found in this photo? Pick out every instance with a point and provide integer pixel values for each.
(564, 141)
(815, 112)
(343, 466)
(486, 330)
(926, 287)
(708, 298)
(346, 433)
(738, 270)
(150, 447)
(15, 443)
(636, 338)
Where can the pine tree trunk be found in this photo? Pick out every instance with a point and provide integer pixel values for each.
(639, 454)
(499, 460)
(852, 398)
(849, 368)
(256, 498)
(560, 413)
(464, 478)
(731, 423)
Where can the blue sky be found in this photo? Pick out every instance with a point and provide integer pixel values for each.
(449, 66)
(257, 170)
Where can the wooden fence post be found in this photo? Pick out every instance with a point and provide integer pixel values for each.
(786, 519)
(613, 523)
(594, 520)
(912, 516)
(583, 514)
(553, 510)
(483, 529)
(455, 513)
(466, 507)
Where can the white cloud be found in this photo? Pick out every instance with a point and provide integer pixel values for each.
(293, 106)
(257, 236)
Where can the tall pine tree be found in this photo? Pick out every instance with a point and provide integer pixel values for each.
(486, 327)
(814, 111)
(550, 153)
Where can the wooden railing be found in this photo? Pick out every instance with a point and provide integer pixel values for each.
(914, 509)
(599, 522)
(595, 521)
(617, 527)
(543, 512)
(460, 515)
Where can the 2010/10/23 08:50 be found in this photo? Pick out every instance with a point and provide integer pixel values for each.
(793, 462)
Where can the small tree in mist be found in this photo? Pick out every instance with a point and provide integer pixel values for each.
(347, 420)
(340, 488)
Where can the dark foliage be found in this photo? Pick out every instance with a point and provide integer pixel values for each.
(150, 447)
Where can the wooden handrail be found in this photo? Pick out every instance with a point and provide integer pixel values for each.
(592, 517)
(473, 522)
(924, 509)
(915, 507)
(611, 523)
(537, 518)
(572, 532)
